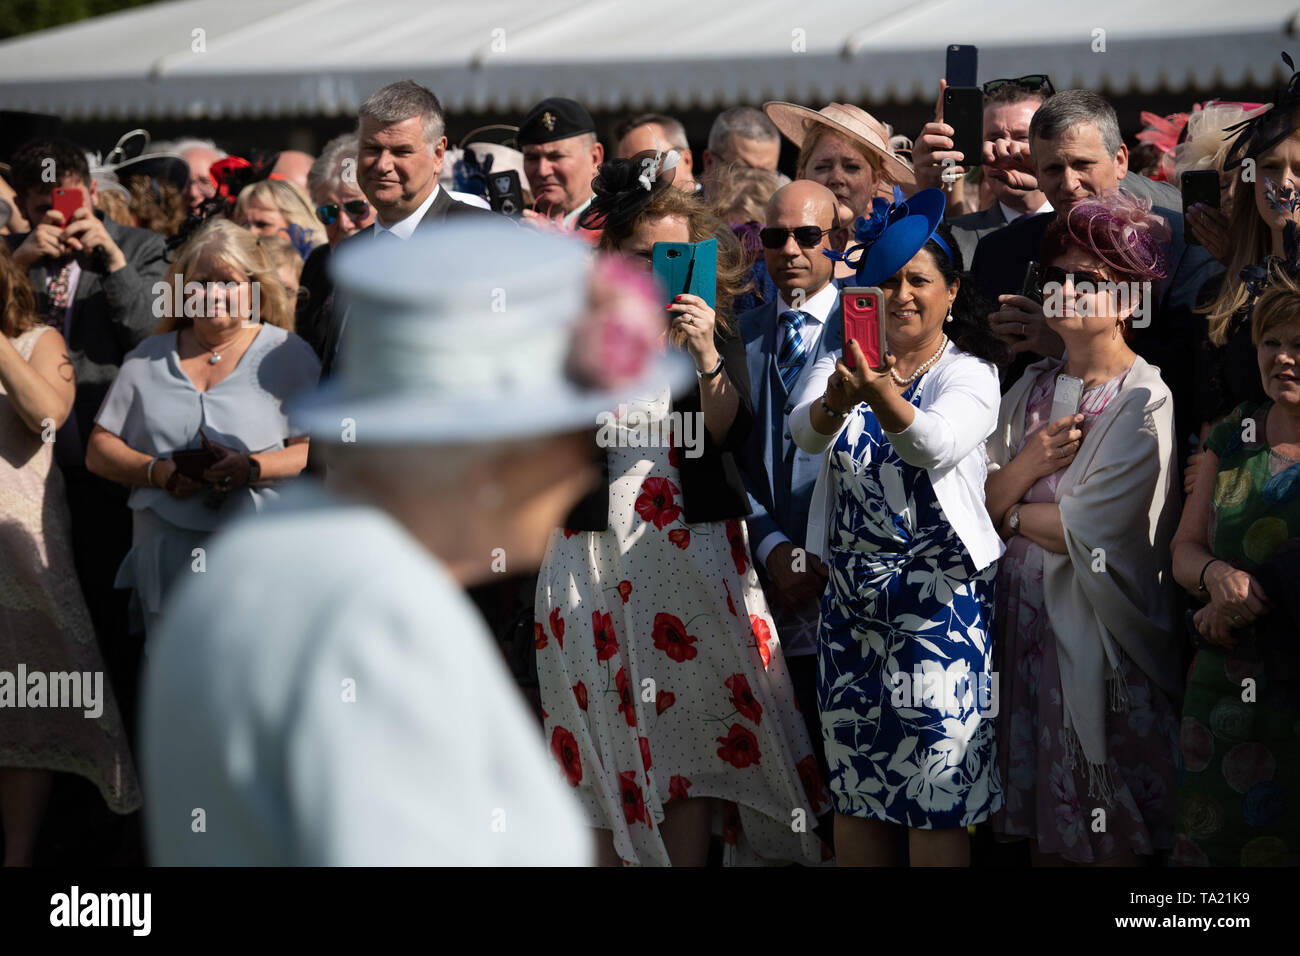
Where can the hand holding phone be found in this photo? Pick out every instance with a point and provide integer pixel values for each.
(963, 110)
(67, 202)
(863, 309)
(1065, 401)
(1199, 186)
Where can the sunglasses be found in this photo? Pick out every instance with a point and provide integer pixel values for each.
(1034, 83)
(357, 209)
(774, 237)
(1076, 277)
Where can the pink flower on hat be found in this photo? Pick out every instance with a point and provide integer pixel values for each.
(621, 330)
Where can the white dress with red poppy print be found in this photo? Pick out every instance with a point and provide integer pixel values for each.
(662, 677)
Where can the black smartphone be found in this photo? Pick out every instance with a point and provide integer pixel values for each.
(505, 192)
(1199, 186)
(962, 61)
(1032, 286)
(963, 110)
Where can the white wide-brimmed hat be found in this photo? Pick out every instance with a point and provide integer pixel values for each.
(480, 330)
(857, 124)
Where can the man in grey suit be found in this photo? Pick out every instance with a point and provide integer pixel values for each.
(782, 339)
(400, 155)
(94, 281)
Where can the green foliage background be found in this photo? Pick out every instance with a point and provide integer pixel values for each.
(28, 16)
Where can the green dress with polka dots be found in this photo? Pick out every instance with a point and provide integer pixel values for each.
(1239, 793)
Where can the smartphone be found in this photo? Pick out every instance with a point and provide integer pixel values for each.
(1032, 287)
(962, 61)
(193, 463)
(963, 110)
(687, 267)
(1199, 186)
(506, 192)
(1069, 392)
(67, 201)
(863, 308)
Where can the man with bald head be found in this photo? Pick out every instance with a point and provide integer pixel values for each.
(199, 154)
(294, 165)
(652, 131)
(784, 337)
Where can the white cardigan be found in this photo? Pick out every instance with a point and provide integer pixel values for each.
(956, 413)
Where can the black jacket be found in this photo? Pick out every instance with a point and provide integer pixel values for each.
(326, 324)
(712, 489)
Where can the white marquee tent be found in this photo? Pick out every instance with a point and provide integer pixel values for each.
(248, 59)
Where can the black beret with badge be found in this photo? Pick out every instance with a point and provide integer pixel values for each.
(552, 119)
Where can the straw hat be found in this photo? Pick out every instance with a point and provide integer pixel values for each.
(479, 331)
(794, 121)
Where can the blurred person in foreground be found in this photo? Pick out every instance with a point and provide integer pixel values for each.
(44, 623)
(213, 378)
(1086, 622)
(650, 585)
(380, 726)
(1238, 549)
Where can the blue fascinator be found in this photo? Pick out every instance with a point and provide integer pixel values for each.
(887, 240)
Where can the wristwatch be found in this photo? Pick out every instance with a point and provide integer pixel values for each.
(1013, 519)
(254, 470)
(717, 370)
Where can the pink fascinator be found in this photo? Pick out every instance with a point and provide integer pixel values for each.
(1123, 232)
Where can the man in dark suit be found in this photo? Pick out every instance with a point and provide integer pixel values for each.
(783, 338)
(401, 152)
(1076, 152)
(94, 281)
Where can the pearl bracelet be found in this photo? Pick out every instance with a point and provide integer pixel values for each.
(827, 409)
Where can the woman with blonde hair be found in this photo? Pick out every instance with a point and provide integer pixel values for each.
(200, 407)
(276, 206)
(844, 148)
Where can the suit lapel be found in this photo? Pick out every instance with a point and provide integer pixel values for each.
(437, 210)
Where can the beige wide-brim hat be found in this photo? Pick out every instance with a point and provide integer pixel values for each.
(857, 124)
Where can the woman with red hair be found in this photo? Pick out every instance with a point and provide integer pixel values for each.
(1082, 485)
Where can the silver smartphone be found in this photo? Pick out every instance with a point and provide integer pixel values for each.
(1069, 392)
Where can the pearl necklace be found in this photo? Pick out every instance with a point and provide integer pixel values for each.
(922, 370)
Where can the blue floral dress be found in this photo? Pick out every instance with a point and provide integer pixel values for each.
(905, 685)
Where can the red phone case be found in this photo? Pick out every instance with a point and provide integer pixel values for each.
(861, 308)
(67, 201)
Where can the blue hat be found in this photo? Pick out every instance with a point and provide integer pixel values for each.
(893, 234)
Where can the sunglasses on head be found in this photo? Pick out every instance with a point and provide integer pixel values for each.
(774, 237)
(1076, 276)
(357, 209)
(1034, 83)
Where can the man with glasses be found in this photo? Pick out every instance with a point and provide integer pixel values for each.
(200, 154)
(783, 337)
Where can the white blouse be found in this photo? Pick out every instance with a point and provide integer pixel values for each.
(956, 413)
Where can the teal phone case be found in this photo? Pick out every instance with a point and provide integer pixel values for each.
(687, 267)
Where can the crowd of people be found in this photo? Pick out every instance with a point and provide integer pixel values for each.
(298, 452)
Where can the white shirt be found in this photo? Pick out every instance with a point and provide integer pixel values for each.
(405, 228)
(1010, 215)
(956, 413)
(358, 712)
(816, 310)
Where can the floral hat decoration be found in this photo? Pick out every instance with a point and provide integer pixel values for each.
(1266, 129)
(893, 233)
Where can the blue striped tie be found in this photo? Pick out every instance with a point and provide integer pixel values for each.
(793, 352)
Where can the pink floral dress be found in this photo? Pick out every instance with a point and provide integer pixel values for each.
(1047, 798)
(662, 677)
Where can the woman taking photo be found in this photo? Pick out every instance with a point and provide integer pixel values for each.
(195, 421)
(1085, 636)
(44, 623)
(898, 515)
(1238, 546)
(664, 689)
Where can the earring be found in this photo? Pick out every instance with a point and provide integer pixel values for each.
(949, 319)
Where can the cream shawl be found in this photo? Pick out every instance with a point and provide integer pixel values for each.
(1119, 504)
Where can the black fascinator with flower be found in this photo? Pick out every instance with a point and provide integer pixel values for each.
(1259, 133)
(623, 187)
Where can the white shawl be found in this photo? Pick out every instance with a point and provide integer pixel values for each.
(1119, 503)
